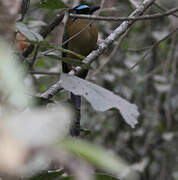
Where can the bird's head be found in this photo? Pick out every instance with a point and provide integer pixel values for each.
(84, 9)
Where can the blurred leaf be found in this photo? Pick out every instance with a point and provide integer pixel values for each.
(25, 136)
(97, 177)
(43, 87)
(36, 23)
(29, 34)
(51, 4)
(125, 44)
(74, 62)
(135, 3)
(66, 178)
(12, 154)
(105, 177)
(11, 75)
(40, 63)
(37, 36)
(40, 127)
(163, 47)
(48, 175)
(158, 35)
(42, 101)
(139, 27)
(101, 99)
(85, 132)
(96, 156)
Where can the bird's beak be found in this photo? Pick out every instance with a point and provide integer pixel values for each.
(94, 8)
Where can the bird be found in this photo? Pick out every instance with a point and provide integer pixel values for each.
(81, 37)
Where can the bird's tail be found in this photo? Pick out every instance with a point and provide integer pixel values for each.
(76, 101)
(75, 127)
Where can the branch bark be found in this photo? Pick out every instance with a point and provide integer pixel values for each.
(146, 17)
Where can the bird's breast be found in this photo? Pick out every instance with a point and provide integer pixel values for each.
(84, 37)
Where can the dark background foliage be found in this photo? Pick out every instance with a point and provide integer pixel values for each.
(152, 84)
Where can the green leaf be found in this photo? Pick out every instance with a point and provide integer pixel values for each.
(51, 4)
(42, 88)
(96, 156)
(74, 62)
(40, 63)
(29, 34)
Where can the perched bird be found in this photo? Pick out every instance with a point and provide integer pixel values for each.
(83, 44)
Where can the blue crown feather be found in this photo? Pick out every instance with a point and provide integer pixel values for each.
(81, 7)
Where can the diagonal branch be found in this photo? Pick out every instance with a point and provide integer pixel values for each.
(164, 9)
(154, 45)
(118, 32)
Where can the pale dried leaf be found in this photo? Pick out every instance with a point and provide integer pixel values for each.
(101, 99)
(11, 78)
(39, 127)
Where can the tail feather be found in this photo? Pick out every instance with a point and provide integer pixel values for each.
(75, 128)
(76, 101)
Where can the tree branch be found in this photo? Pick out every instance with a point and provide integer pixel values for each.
(119, 31)
(163, 9)
(154, 45)
(146, 17)
(45, 73)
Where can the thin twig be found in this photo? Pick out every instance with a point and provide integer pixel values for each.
(154, 71)
(172, 81)
(164, 9)
(75, 35)
(45, 73)
(156, 44)
(34, 57)
(137, 50)
(72, 37)
(119, 31)
(101, 7)
(146, 17)
(170, 57)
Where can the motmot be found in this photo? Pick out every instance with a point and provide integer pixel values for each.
(81, 36)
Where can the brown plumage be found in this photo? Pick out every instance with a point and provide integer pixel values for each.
(86, 41)
(82, 44)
